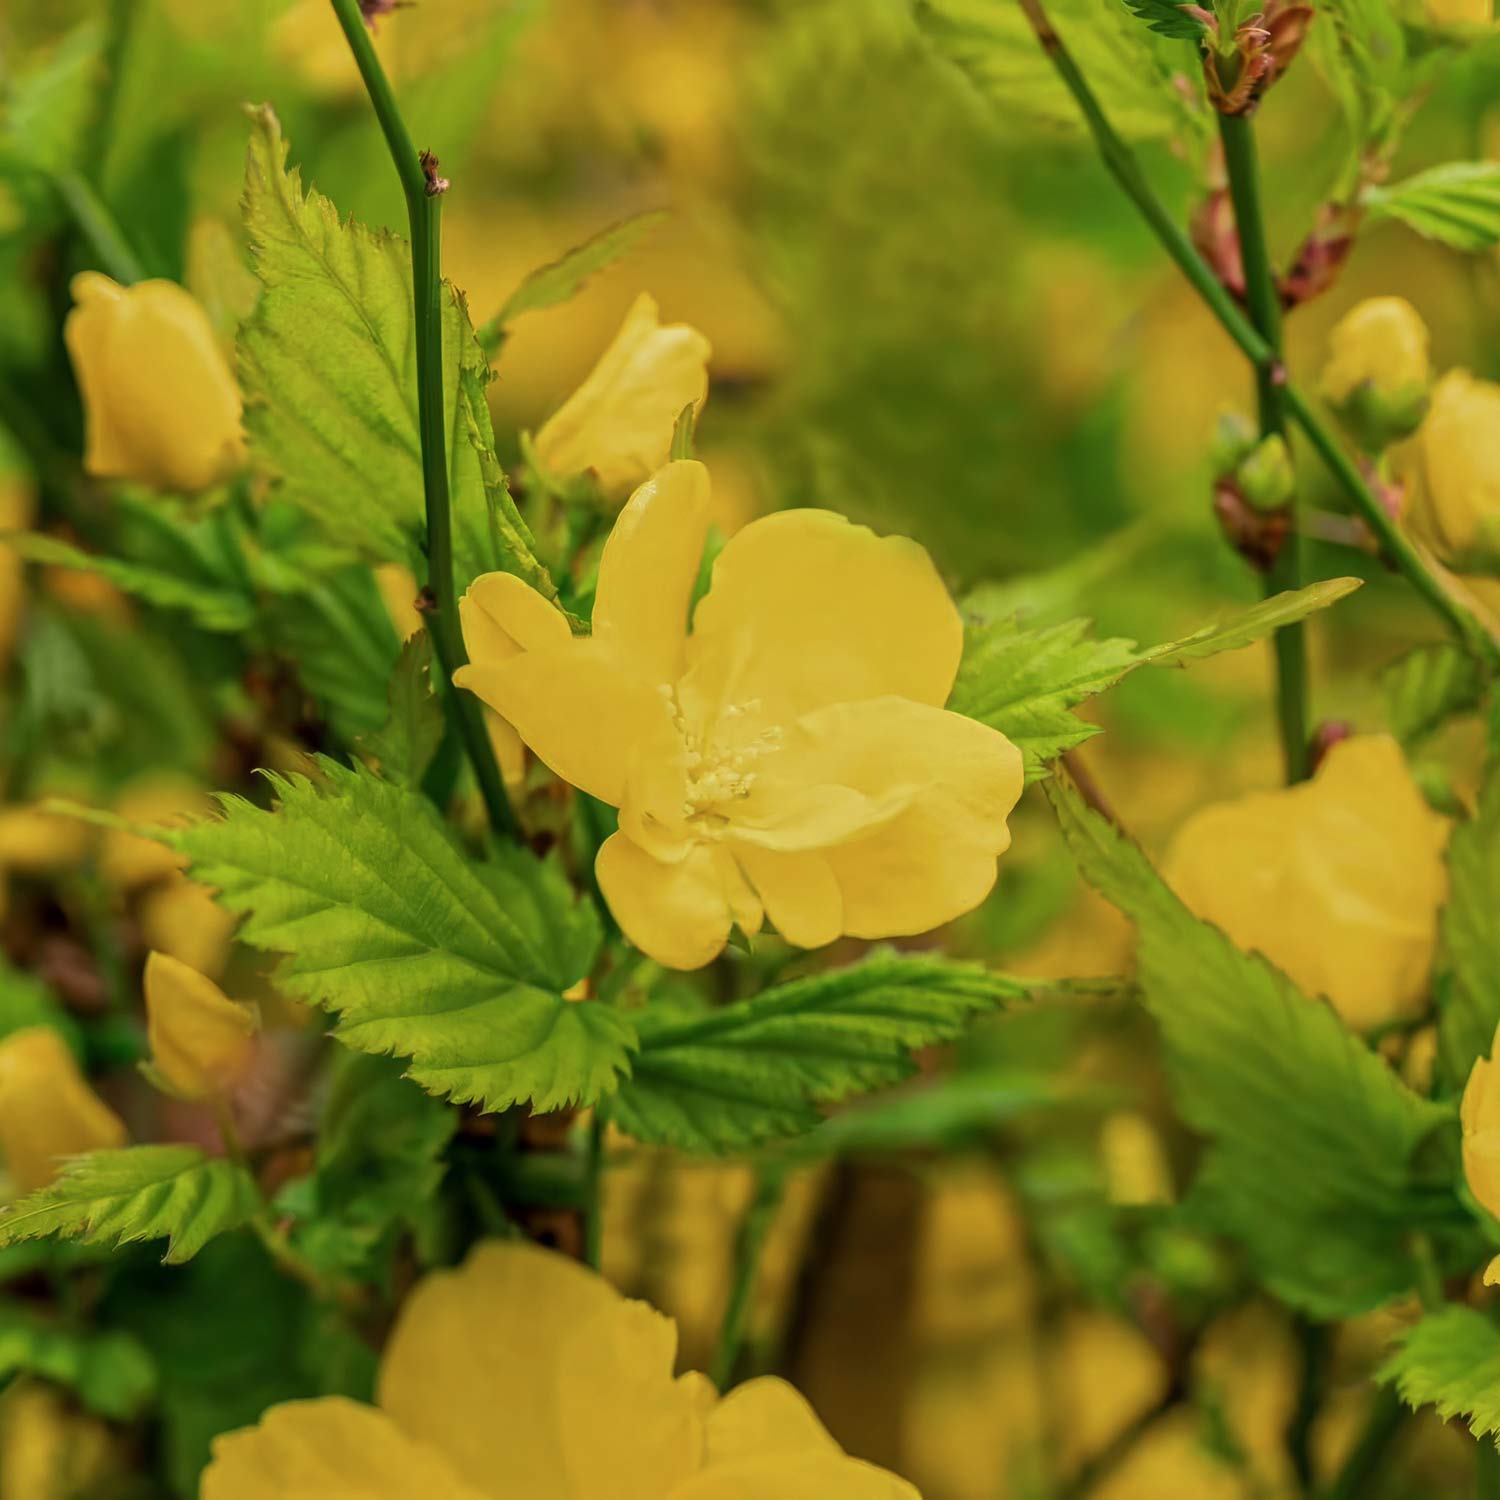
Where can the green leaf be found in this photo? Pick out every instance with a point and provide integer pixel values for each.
(404, 746)
(1168, 18)
(1457, 204)
(1450, 1360)
(26, 1001)
(1311, 1136)
(758, 1069)
(418, 949)
(111, 1198)
(1024, 681)
(1470, 936)
(1130, 69)
(111, 1372)
(49, 108)
(1427, 687)
(214, 608)
(565, 277)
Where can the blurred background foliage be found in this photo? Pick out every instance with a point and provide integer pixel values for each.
(932, 314)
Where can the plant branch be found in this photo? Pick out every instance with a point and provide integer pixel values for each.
(1263, 297)
(422, 189)
(1126, 171)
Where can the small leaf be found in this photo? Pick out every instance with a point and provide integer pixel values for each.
(1450, 1360)
(1427, 687)
(1168, 18)
(1457, 204)
(112, 1198)
(1470, 936)
(758, 1069)
(1246, 626)
(403, 748)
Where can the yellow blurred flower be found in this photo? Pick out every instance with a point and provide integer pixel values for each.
(126, 860)
(49, 1450)
(619, 422)
(1459, 12)
(17, 509)
(47, 1109)
(1378, 372)
(398, 592)
(1452, 473)
(524, 1374)
(1337, 881)
(201, 1040)
(161, 402)
(1479, 1115)
(1136, 1169)
(790, 758)
(181, 918)
(36, 842)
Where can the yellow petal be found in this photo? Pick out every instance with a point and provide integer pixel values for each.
(1492, 1272)
(36, 841)
(180, 427)
(334, 1449)
(475, 1364)
(765, 1415)
(579, 708)
(795, 1477)
(181, 918)
(619, 422)
(679, 914)
(629, 1429)
(398, 592)
(807, 609)
(799, 891)
(648, 569)
(501, 616)
(47, 1109)
(201, 1040)
(127, 860)
(955, 782)
(1383, 342)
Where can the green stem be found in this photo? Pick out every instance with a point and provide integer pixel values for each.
(96, 223)
(1263, 297)
(1429, 1278)
(424, 215)
(770, 1185)
(1122, 165)
(593, 1217)
(1387, 1417)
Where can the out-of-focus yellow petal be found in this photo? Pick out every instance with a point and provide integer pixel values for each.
(398, 592)
(807, 609)
(1479, 1119)
(125, 859)
(49, 1450)
(17, 508)
(1383, 342)
(201, 1040)
(801, 1476)
(47, 1109)
(679, 914)
(1460, 12)
(335, 1449)
(578, 706)
(1337, 881)
(765, 1416)
(36, 842)
(619, 422)
(179, 917)
(648, 569)
(475, 1365)
(161, 403)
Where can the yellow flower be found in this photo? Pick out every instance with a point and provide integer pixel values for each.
(162, 405)
(619, 422)
(789, 758)
(1337, 881)
(200, 1039)
(523, 1376)
(179, 917)
(47, 1109)
(1452, 473)
(1378, 373)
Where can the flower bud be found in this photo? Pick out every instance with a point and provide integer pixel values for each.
(1377, 376)
(161, 402)
(1265, 475)
(201, 1040)
(47, 1109)
(1337, 881)
(618, 423)
(1451, 469)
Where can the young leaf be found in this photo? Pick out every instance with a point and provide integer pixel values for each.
(1168, 18)
(111, 1198)
(565, 277)
(758, 1069)
(419, 950)
(1471, 936)
(1457, 204)
(403, 748)
(1311, 1136)
(1243, 627)
(1450, 1360)
(1427, 687)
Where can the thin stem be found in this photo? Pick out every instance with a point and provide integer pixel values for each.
(111, 249)
(770, 1185)
(1428, 1277)
(593, 1217)
(1387, 1417)
(1126, 171)
(424, 215)
(1263, 298)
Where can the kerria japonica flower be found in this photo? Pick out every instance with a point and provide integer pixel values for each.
(524, 1376)
(789, 757)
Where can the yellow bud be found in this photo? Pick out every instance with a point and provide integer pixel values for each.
(1479, 1115)
(1460, 12)
(1337, 881)
(619, 422)
(1378, 371)
(201, 1040)
(1451, 469)
(161, 402)
(47, 1109)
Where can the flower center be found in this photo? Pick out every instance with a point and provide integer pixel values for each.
(722, 761)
